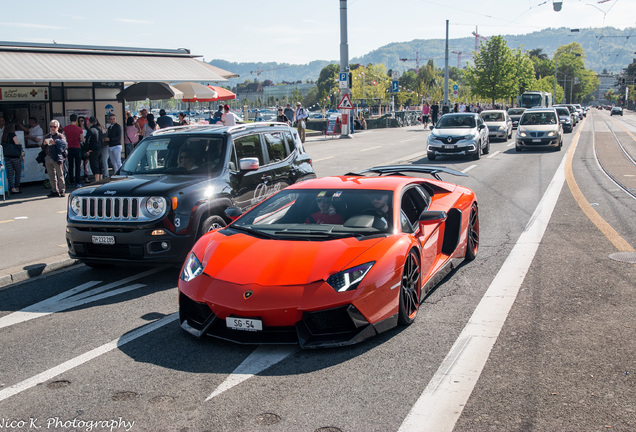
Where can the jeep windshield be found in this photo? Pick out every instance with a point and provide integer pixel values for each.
(177, 154)
(450, 121)
(319, 214)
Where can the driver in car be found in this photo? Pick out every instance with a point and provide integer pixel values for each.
(186, 160)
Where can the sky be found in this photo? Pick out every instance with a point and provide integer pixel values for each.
(293, 31)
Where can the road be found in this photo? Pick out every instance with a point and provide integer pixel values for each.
(554, 314)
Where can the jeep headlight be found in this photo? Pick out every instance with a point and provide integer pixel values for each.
(349, 279)
(156, 205)
(76, 205)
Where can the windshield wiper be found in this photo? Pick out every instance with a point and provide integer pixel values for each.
(311, 235)
(255, 233)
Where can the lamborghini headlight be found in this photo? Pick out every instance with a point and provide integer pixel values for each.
(192, 268)
(349, 279)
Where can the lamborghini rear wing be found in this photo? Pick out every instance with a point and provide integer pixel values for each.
(400, 169)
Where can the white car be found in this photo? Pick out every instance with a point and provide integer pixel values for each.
(499, 124)
(458, 134)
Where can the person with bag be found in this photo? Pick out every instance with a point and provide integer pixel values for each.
(301, 121)
(56, 153)
(13, 157)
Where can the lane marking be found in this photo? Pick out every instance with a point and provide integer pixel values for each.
(370, 148)
(83, 358)
(441, 403)
(410, 139)
(261, 358)
(63, 211)
(5, 221)
(74, 297)
(494, 154)
(21, 217)
(468, 169)
(322, 159)
(510, 144)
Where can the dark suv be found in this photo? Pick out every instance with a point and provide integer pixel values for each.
(175, 186)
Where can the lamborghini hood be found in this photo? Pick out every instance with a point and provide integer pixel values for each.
(242, 259)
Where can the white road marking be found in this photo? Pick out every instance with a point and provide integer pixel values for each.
(72, 298)
(510, 144)
(20, 217)
(370, 148)
(322, 159)
(468, 169)
(261, 358)
(83, 358)
(441, 404)
(494, 154)
(410, 139)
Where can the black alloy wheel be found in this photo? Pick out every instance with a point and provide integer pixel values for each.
(410, 289)
(472, 242)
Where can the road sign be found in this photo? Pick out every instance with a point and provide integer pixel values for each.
(395, 87)
(345, 102)
(455, 87)
(344, 80)
(395, 75)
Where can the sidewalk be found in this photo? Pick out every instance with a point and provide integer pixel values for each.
(28, 249)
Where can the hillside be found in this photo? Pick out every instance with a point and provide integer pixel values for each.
(606, 48)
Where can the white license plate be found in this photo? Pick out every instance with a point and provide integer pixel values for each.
(104, 240)
(536, 140)
(245, 324)
(449, 146)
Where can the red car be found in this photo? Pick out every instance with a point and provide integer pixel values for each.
(329, 261)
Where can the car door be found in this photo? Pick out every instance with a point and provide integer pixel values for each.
(278, 160)
(249, 186)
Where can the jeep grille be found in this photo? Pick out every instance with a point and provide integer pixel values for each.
(110, 208)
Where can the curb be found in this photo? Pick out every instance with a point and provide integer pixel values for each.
(21, 273)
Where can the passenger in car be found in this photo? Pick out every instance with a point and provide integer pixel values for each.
(326, 213)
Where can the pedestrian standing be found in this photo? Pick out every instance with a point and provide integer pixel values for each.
(113, 138)
(73, 133)
(434, 112)
(93, 144)
(426, 110)
(13, 157)
(228, 118)
(289, 112)
(282, 118)
(131, 135)
(301, 119)
(55, 148)
(151, 126)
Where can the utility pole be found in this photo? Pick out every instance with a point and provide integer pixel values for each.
(344, 65)
(446, 69)
(556, 67)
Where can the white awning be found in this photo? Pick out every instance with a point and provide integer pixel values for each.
(30, 66)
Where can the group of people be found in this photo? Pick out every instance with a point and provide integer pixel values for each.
(298, 117)
(224, 116)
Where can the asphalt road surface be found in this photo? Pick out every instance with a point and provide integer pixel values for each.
(536, 334)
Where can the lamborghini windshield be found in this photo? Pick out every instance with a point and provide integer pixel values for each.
(319, 214)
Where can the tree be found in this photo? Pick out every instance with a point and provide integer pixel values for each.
(524, 71)
(543, 66)
(578, 82)
(328, 79)
(493, 75)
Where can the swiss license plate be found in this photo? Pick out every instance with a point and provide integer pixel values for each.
(245, 324)
(449, 146)
(536, 140)
(104, 240)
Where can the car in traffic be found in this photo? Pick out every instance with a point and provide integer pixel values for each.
(458, 134)
(539, 128)
(515, 115)
(580, 110)
(330, 261)
(565, 118)
(573, 112)
(175, 186)
(499, 124)
(616, 111)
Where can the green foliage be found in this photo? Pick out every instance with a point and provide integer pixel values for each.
(493, 76)
(577, 81)
(524, 71)
(328, 79)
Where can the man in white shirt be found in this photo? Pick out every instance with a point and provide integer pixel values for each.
(228, 118)
(35, 135)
